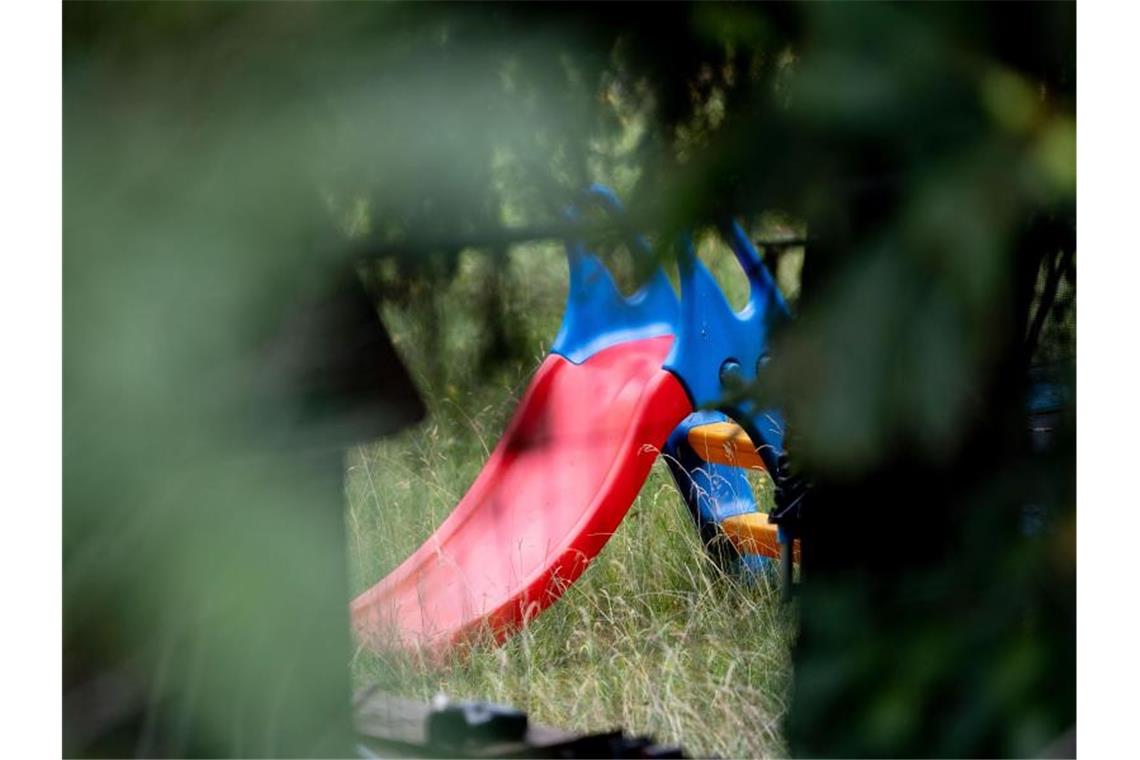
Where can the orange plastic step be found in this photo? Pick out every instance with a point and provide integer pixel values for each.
(725, 443)
(752, 534)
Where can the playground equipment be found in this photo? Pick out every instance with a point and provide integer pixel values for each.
(626, 378)
(707, 455)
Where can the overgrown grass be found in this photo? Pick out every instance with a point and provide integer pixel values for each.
(653, 638)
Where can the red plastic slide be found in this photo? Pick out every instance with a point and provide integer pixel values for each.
(565, 472)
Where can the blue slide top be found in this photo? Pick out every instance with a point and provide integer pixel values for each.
(597, 315)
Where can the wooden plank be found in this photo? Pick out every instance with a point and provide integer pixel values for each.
(725, 443)
(392, 726)
(390, 718)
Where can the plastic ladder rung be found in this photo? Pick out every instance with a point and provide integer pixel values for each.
(724, 443)
(751, 533)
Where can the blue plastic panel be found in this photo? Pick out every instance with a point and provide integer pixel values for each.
(712, 338)
(597, 315)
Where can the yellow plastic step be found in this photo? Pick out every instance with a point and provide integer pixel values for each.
(725, 443)
(752, 534)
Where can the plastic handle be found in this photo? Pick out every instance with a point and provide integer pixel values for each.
(765, 295)
(605, 198)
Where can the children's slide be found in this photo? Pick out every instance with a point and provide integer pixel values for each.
(560, 480)
(572, 460)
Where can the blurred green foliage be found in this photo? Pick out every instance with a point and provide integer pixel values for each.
(225, 162)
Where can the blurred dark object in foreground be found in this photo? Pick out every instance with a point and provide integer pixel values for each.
(938, 608)
(390, 726)
(332, 366)
(326, 378)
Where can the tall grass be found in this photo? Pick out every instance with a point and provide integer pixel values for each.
(653, 638)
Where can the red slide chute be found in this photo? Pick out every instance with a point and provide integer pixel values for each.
(562, 477)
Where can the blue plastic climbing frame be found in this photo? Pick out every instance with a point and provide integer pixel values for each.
(717, 352)
(597, 315)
